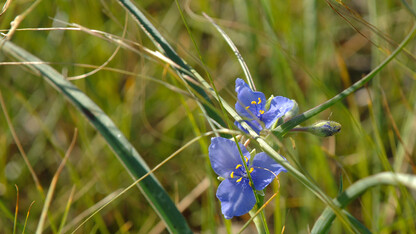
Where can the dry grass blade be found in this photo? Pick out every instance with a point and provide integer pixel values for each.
(257, 213)
(27, 216)
(104, 204)
(397, 132)
(185, 203)
(16, 22)
(51, 190)
(89, 211)
(123, 149)
(19, 145)
(5, 6)
(107, 61)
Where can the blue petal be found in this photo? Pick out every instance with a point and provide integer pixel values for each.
(254, 124)
(236, 198)
(244, 98)
(240, 84)
(278, 107)
(224, 155)
(265, 170)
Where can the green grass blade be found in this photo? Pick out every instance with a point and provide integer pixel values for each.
(162, 44)
(386, 178)
(361, 228)
(166, 49)
(284, 128)
(67, 207)
(125, 152)
(16, 210)
(234, 48)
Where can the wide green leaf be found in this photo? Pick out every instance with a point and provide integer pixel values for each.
(124, 151)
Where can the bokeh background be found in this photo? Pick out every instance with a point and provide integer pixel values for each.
(305, 50)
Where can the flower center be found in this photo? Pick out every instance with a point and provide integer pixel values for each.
(240, 172)
(256, 109)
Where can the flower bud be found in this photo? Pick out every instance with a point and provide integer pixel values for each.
(324, 128)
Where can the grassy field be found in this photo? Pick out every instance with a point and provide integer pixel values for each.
(308, 51)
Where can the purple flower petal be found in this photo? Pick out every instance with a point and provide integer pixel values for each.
(236, 198)
(254, 124)
(240, 84)
(245, 97)
(224, 155)
(265, 170)
(278, 107)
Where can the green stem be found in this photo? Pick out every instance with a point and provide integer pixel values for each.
(324, 221)
(260, 222)
(125, 152)
(168, 51)
(281, 130)
(182, 68)
(284, 128)
(261, 225)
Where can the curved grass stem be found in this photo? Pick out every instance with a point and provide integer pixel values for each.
(284, 128)
(324, 221)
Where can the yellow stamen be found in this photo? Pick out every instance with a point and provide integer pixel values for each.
(239, 165)
(247, 107)
(246, 158)
(253, 102)
(239, 179)
(259, 101)
(261, 112)
(232, 175)
(250, 171)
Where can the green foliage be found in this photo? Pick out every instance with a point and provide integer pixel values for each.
(309, 51)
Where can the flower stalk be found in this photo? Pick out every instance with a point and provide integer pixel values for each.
(259, 220)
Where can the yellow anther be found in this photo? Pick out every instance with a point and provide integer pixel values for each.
(250, 171)
(253, 102)
(259, 101)
(261, 112)
(232, 175)
(246, 158)
(239, 165)
(247, 107)
(239, 179)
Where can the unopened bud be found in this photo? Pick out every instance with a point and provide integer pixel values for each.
(324, 128)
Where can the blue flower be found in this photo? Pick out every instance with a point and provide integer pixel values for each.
(235, 192)
(251, 106)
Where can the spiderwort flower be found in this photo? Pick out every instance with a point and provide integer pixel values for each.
(235, 192)
(251, 105)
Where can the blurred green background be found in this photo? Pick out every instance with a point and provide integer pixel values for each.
(305, 50)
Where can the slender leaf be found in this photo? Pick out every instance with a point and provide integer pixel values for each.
(125, 152)
(183, 69)
(164, 47)
(284, 128)
(324, 222)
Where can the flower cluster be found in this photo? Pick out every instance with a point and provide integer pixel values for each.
(256, 110)
(243, 175)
